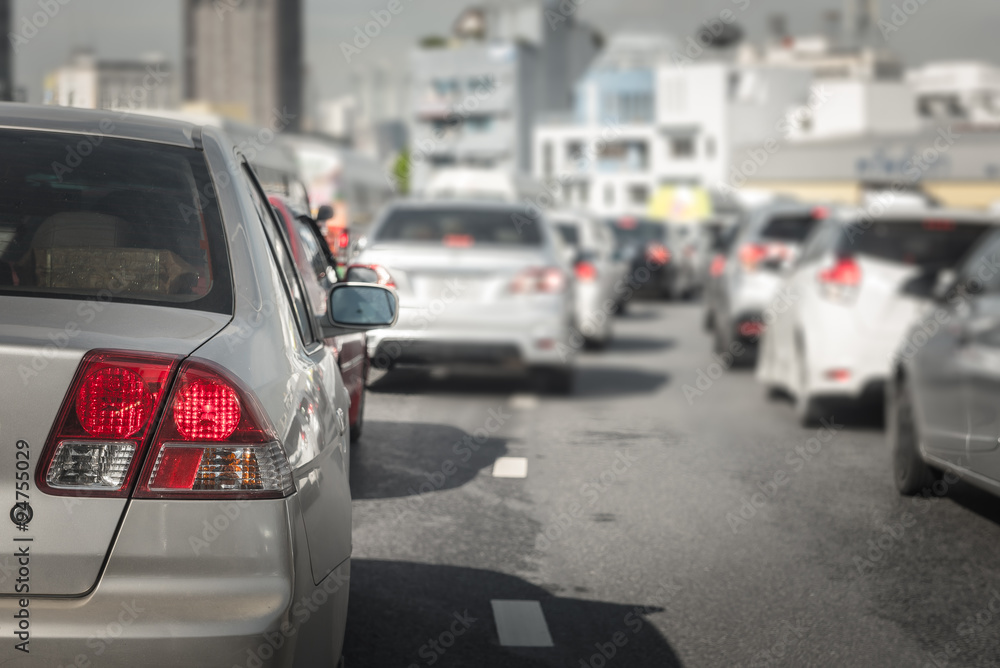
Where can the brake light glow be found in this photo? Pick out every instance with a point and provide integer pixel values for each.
(98, 439)
(459, 241)
(344, 240)
(530, 281)
(936, 225)
(657, 254)
(821, 213)
(585, 271)
(751, 255)
(718, 266)
(845, 272)
(206, 410)
(628, 223)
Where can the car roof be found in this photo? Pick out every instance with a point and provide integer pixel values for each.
(104, 123)
(909, 214)
(455, 204)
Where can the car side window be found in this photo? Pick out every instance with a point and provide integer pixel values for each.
(283, 257)
(983, 266)
(818, 243)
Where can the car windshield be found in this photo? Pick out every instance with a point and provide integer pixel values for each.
(456, 227)
(789, 228)
(125, 221)
(924, 243)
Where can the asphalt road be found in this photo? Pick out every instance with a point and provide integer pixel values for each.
(654, 527)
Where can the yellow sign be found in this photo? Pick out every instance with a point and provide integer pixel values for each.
(681, 204)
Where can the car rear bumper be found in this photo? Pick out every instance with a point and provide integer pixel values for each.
(505, 337)
(217, 584)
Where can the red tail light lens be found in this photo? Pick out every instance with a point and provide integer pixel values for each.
(531, 281)
(842, 281)
(845, 272)
(751, 255)
(718, 266)
(214, 442)
(459, 241)
(585, 271)
(657, 254)
(344, 240)
(106, 418)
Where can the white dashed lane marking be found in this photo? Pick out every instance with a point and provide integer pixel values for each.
(521, 624)
(510, 467)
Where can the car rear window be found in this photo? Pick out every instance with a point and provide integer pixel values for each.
(118, 219)
(570, 234)
(925, 243)
(632, 230)
(461, 227)
(786, 228)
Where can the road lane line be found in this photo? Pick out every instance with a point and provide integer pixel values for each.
(510, 467)
(521, 624)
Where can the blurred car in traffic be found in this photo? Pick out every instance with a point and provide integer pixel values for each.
(188, 377)
(849, 305)
(768, 240)
(720, 244)
(644, 244)
(312, 257)
(590, 247)
(944, 387)
(480, 285)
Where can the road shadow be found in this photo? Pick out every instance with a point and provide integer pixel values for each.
(398, 609)
(416, 380)
(635, 344)
(976, 500)
(397, 459)
(599, 381)
(639, 311)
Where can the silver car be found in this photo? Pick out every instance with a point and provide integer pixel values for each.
(174, 430)
(590, 248)
(479, 285)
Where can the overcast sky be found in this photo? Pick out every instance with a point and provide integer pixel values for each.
(940, 29)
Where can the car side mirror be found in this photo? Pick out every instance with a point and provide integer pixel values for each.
(946, 281)
(358, 307)
(324, 213)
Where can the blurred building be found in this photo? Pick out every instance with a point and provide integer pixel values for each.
(642, 122)
(244, 59)
(477, 95)
(959, 92)
(88, 82)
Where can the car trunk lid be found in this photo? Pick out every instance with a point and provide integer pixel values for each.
(65, 540)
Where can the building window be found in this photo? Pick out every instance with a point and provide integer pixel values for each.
(547, 159)
(479, 124)
(583, 193)
(682, 147)
(574, 151)
(609, 195)
(638, 195)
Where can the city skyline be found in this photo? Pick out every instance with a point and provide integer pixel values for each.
(959, 29)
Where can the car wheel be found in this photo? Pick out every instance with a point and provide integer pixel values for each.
(359, 425)
(911, 473)
(558, 381)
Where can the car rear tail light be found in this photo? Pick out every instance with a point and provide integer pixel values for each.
(370, 273)
(751, 255)
(532, 281)
(839, 375)
(842, 280)
(938, 225)
(751, 329)
(718, 266)
(657, 255)
(344, 240)
(214, 442)
(105, 420)
(459, 240)
(821, 213)
(585, 271)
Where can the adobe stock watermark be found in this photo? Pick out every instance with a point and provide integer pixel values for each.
(381, 19)
(29, 27)
(900, 16)
(435, 648)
